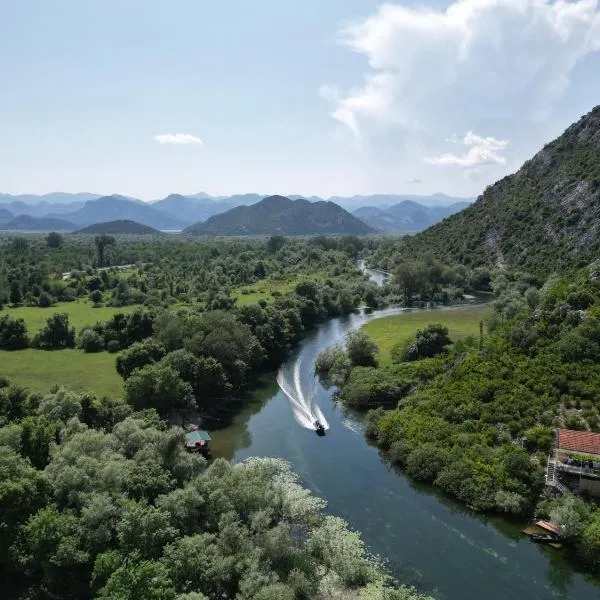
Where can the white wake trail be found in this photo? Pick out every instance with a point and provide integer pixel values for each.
(305, 412)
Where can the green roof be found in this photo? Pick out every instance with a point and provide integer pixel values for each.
(195, 436)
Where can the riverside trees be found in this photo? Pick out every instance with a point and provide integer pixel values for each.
(118, 509)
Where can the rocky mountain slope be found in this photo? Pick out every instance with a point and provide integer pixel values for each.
(543, 217)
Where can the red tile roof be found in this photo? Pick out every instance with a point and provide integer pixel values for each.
(579, 441)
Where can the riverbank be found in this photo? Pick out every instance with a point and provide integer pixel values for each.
(462, 322)
(426, 538)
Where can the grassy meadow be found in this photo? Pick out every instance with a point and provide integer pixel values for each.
(39, 370)
(81, 313)
(263, 289)
(388, 331)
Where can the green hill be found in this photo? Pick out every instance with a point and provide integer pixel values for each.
(120, 226)
(29, 223)
(546, 216)
(282, 216)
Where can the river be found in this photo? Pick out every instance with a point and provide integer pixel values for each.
(427, 539)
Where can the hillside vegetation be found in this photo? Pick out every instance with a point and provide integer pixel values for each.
(125, 226)
(545, 216)
(282, 216)
(476, 418)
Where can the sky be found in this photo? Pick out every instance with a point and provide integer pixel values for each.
(313, 97)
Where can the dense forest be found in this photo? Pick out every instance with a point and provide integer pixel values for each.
(98, 497)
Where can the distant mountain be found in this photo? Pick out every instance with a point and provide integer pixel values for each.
(6, 215)
(189, 208)
(53, 198)
(120, 226)
(41, 209)
(112, 208)
(182, 210)
(29, 223)
(407, 216)
(544, 217)
(282, 216)
(386, 200)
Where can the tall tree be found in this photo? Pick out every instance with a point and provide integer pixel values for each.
(102, 242)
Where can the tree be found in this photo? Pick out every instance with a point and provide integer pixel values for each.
(144, 529)
(590, 540)
(96, 297)
(45, 300)
(13, 333)
(15, 293)
(136, 579)
(22, 492)
(53, 540)
(90, 341)
(139, 355)
(428, 342)
(54, 240)
(155, 386)
(221, 335)
(361, 349)
(205, 374)
(56, 334)
(60, 406)
(102, 242)
(275, 243)
(20, 244)
(570, 514)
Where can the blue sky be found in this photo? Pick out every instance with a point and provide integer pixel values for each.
(290, 96)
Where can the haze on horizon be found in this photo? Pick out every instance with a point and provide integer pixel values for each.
(329, 98)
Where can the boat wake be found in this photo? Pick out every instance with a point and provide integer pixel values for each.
(305, 409)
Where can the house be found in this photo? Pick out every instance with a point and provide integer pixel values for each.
(198, 440)
(574, 464)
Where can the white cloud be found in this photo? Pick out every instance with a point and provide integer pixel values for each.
(482, 151)
(178, 138)
(433, 71)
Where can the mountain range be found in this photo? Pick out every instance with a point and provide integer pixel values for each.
(282, 216)
(546, 216)
(407, 216)
(386, 213)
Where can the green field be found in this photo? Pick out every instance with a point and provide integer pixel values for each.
(388, 331)
(39, 370)
(261, 290)
(81, 313)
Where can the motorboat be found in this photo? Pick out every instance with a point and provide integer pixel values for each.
(319, 428)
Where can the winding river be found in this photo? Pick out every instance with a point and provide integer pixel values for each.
(427, 539)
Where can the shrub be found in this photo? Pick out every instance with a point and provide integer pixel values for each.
(56, 334)
(113, 346)
(90, 341)
(96, 297)
(327, 359)
(361, 349)
(428, 342)
(371, 387)
(13, 333)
